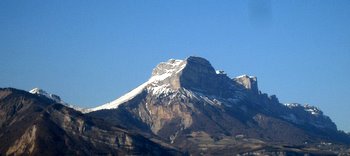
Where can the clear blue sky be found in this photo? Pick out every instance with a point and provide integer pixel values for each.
(91, 52)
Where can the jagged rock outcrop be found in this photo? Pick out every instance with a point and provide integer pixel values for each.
(249, 82)
(187, 102)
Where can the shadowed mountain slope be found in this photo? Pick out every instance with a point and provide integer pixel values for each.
(36, 125)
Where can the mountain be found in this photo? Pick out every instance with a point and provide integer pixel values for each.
(53, 97)
(37, 123)
(192, 106)
(56, 98)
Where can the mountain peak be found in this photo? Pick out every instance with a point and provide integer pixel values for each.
(168, 77)
(166, 73)
(167, 67)
(199, 75)
(194, 73)
(182, 73)
(174, 66)
(37, 91)
(187, 100)
(54, 97)
(195, 60)
(42, 92)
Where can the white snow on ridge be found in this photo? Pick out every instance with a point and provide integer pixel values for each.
(154, 85)
(128, 96)
(39, 92)
(163, 71)
(53, 97)
(166, 69)
(292, 105)
(157, 90)
(245, 75)
(220, 72)
(311, 109)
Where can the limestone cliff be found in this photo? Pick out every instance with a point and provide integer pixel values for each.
(184, 98)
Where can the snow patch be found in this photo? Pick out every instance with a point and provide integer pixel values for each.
(166, 69)
(292, 105)
(308, 108)
(158, 90)
(128, 96)
(245, 76)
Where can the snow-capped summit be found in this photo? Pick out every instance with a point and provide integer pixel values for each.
(195, 78)
(161, 73)
(53, 97)
(165, 70)
(245, 76)
(193, 73)
(185, 97)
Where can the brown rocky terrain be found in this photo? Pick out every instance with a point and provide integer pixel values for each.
(35, 125)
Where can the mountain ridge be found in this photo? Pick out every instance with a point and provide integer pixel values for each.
(31, 124)
(190, 106)
(187, 99)
(174, 74)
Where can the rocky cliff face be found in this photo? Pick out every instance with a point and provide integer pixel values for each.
(248, 82)
(187, 103)
(36, 125)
